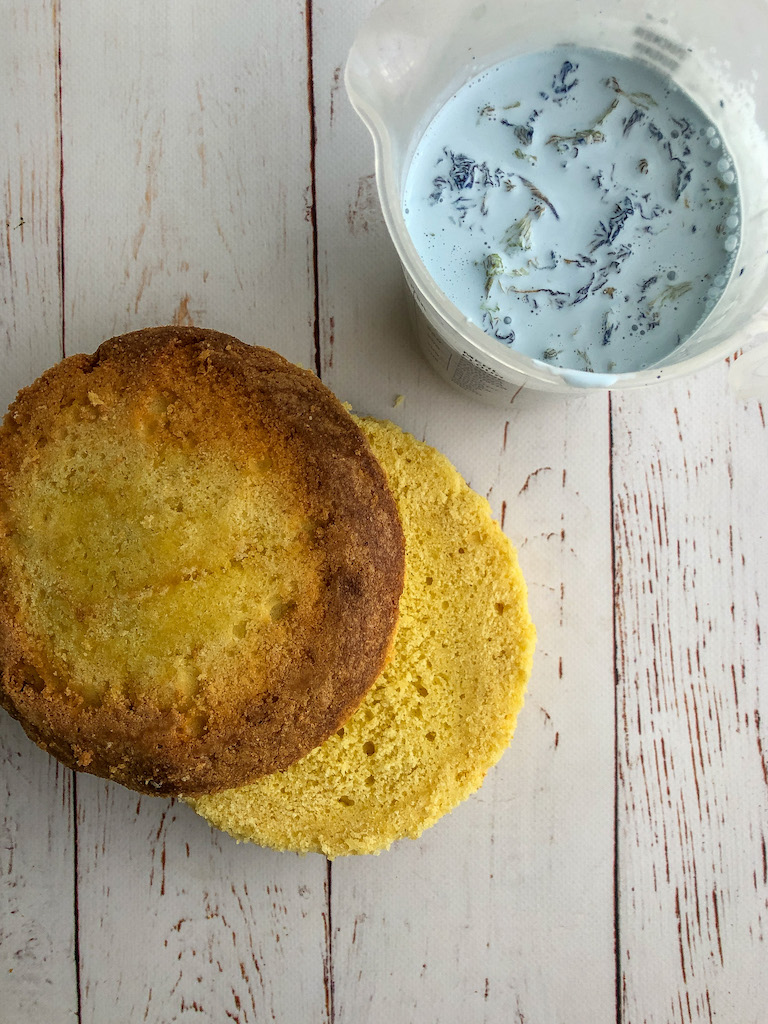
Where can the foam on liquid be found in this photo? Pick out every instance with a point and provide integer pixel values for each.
(577, 206)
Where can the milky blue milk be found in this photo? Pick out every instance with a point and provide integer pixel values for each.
(578, 207)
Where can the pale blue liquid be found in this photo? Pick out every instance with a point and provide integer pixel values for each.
(578, 207)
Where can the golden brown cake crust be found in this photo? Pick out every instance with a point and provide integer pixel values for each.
(195, 647)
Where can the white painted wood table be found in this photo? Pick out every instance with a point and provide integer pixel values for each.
(200, 163)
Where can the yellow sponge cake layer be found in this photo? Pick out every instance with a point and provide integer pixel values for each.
(134, 551)
(200, 561)
(444, 709)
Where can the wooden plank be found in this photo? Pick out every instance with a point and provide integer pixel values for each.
(690, 507)
(30, 304)
(37, 933)
(188, 196)
(502, 908)
(509, 902)
(37, 920)
(187, 199)
(197, 924)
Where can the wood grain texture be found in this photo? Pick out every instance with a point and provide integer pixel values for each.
(38, 965)
(508, 903)
(690, 509)
(500, 910)
(37, 933)
(30, 291)
(201, 164)
(200, 928)
(186, 201)
(187, 184)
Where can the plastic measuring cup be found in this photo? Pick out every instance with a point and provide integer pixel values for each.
(408, 59)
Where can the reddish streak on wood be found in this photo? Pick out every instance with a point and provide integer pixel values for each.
(313, 181)
(693, 759)
(717, 926)
(328, 953)
(503, 513)
(512, 399)
(530, 476)
(680, 935)
(331, 339)
(334, 90)
(60, 141)
(763, 762)
(182, 316)
(667, 870)
(666, 769)
(159, 831)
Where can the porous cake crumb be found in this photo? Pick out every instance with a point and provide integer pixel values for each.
(443, 711)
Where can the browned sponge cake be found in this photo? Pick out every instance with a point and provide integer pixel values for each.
(200, 561)
(444, 709)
